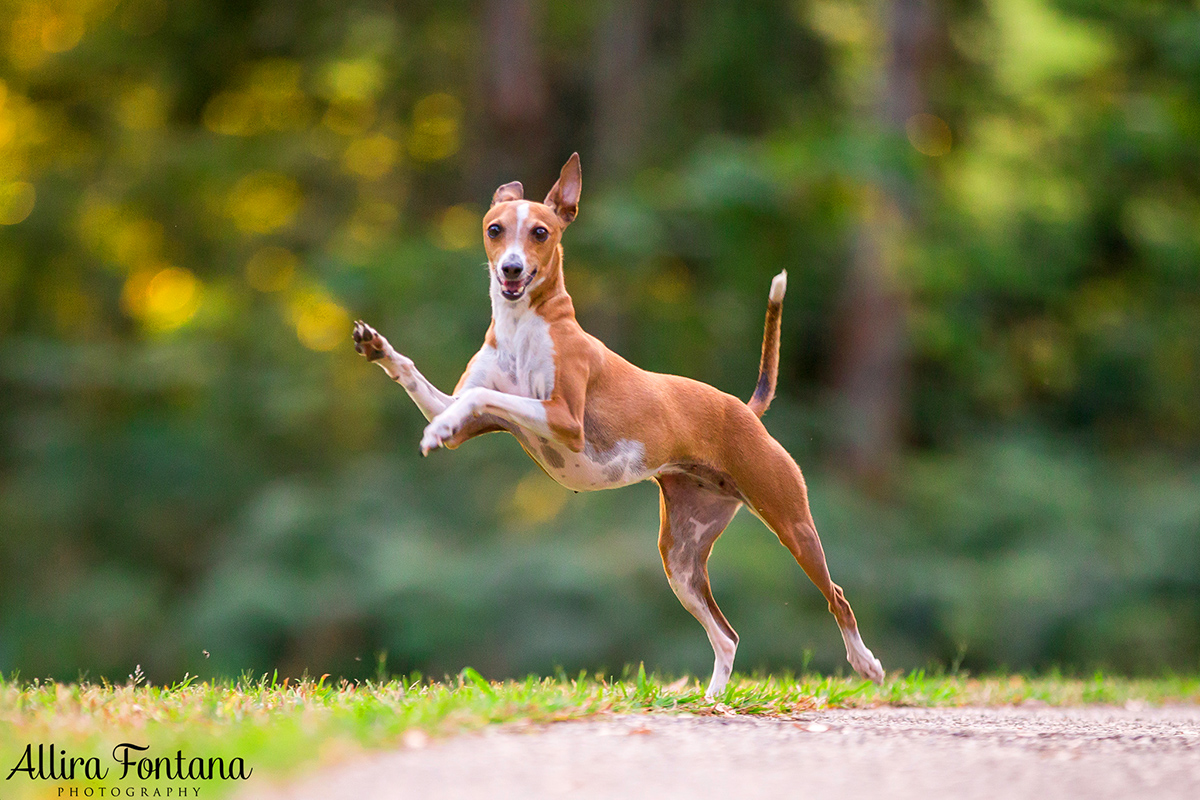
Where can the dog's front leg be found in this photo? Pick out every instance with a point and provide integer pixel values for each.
(400, 368)
(523, 412)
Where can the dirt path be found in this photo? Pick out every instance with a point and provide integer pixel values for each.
(878, 753)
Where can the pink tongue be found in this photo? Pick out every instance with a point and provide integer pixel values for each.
(512, 286)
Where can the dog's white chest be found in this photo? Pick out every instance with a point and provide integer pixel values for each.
(524, 356)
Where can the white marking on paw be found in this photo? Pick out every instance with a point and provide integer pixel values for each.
(863, 660)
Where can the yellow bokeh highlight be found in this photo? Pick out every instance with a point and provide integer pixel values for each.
(357, 80)
(537, 499)
(435, 127)
(25, 37)
(23, 129)
(42, 29)
(8, 126)
(672, 285)
(349, 117)
(321, 323)
(371, 221)
(458, 228)
(16, 202)
(929, 135)
(840, 21)
(61, 31)
(372, 156)
(231, 114)
(271, 269)
(142, 108)
(1038, 45)
(270, 99)
(96, 218)
(263, 202)
(162, 297)
(134, 240)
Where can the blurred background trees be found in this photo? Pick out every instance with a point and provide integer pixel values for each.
(990, 215)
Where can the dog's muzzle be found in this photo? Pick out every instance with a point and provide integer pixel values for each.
(512, 285)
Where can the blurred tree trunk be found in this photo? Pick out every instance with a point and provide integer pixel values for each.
(871, 371)
(516, 96)
(622, 42)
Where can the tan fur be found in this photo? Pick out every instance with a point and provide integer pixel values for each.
(707, 449)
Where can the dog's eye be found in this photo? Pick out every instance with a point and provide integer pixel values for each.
(540, 233)
(494, 231)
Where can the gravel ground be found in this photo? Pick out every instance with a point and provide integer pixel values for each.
(1093, 752)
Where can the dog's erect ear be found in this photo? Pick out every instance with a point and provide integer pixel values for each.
(509, 191)
(564, 197)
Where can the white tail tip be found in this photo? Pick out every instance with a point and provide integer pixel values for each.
(778, 287)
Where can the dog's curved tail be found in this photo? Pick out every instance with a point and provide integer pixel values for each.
(768, 368)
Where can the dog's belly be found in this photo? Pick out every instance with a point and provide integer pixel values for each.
(622, 464)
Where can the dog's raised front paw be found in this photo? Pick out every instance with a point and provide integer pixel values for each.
(367, 342)
(436, 434)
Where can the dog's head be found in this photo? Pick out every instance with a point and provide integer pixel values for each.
(522, 237)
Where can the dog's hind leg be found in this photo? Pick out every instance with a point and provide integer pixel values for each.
(692, 517)
(774, 489)
(791, 520)
(800, 538)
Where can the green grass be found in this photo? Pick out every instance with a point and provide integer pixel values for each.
(280, 728)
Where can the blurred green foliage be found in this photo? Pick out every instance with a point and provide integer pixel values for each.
(196, 197)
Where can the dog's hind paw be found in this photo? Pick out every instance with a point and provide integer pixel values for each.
(868, 666)
(861, 658)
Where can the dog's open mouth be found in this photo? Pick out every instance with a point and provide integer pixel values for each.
(512, 290)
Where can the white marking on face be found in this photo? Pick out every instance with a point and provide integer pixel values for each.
(515, 245)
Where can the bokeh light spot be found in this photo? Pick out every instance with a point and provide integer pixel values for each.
(928, 134)
(134, 241)
(271, 269)
(435, 127)
(321, 324)
(844, 23)
(537, 499)
(142, 108)
(458, 228)
(25, 37)
(263, 202)
(371, 156)
(270, 99)
(230, 114)
(163, 297)
(61, 31)
(348, 117)
(353, 80)
(16, 202)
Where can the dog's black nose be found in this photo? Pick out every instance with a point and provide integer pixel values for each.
(511, 270)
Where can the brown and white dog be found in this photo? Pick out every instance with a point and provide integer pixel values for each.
(594, 421)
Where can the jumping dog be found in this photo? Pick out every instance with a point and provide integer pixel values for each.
(594, 421)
